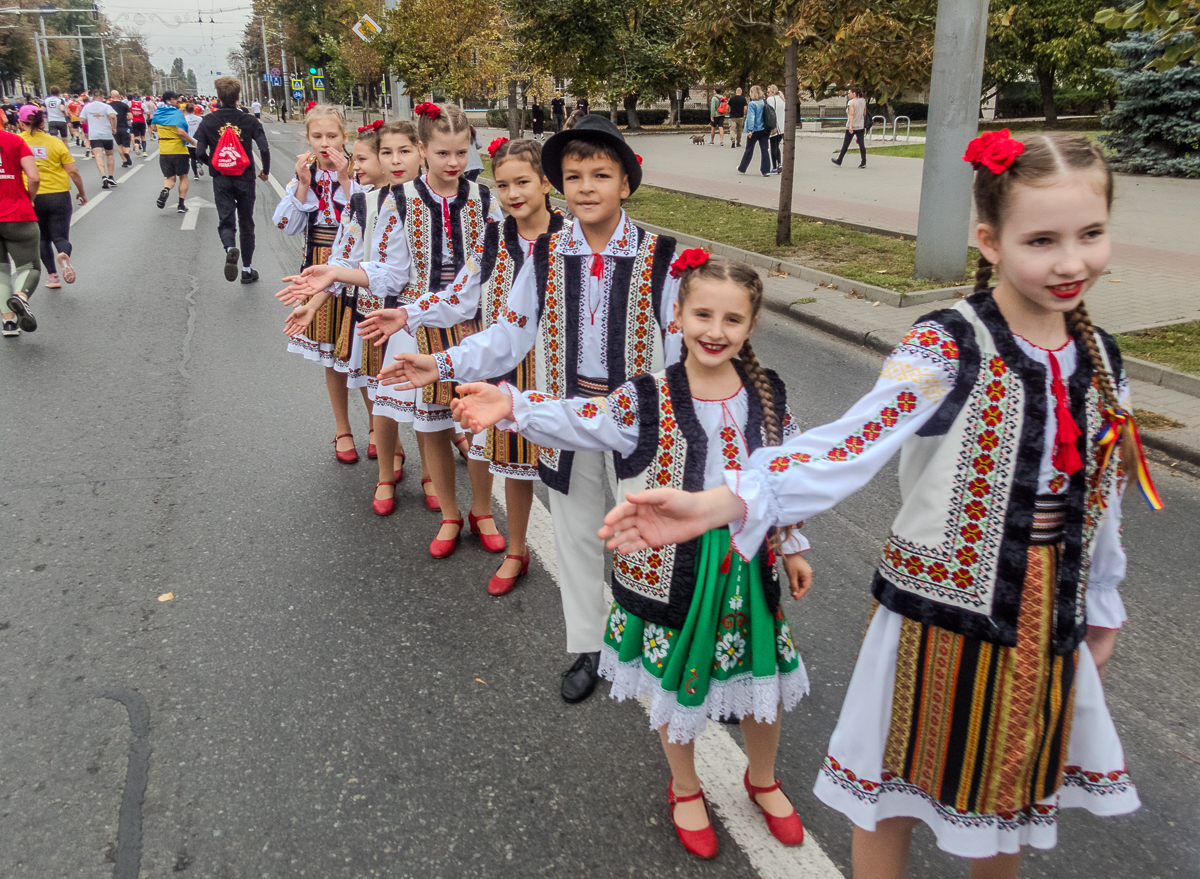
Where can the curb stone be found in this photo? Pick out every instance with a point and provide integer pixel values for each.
(1153, 373)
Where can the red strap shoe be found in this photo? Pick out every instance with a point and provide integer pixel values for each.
(463, 444)
(372, 454)
(385, 506)
(350, 456)
(431, 501)
(790, 829)
(491, 542)
(701, 843)
(399, 468)
(440, 549)
(503, 585)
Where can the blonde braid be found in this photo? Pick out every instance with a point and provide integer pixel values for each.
(1080, 325)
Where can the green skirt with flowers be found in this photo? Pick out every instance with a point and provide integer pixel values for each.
(731, 658)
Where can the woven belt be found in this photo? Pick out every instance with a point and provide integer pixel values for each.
(1049, 519)
(593, 387)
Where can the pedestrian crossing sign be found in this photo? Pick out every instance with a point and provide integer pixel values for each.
(297, 84)
(319, 82)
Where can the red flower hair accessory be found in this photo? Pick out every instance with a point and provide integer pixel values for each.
(309, 106)
(994, 150)
(495, 145)
(427, 109)
(639, 158)
(374, 126)
(692, 258)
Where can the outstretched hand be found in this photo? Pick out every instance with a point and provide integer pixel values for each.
(799, 574)
(381, 325)
(410, 371)
(481, 406)
(296, 292)
(297, 322)
(660, 516)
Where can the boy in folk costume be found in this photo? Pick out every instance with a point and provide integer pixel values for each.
(594, 304)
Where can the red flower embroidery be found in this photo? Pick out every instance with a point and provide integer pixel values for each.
(988, 440)
(963, 578)
(995, 391)
(889, 417)
(937, 572)
(837, 454)
(975, 510)
(971, 532)
(872, 431)
(907, 401)
(992, 416)
(997, 366)
(950, 349)
(914, 565)
(928, 338)
(855, 444)
(966, 555)
(589, 410)
(979, 487)
(984, 464)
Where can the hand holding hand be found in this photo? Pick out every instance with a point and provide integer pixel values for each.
(481, 406)
(410, 371)
(381, 325)
(320, 277)
(799, 574)
(660, 516)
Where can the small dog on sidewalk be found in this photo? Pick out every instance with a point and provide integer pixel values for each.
(698, 139)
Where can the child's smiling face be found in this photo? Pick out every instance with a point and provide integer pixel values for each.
(399, 159)
(594, 187)
(716, 318)
(521, 189)
(366, 165)
(1054, 242)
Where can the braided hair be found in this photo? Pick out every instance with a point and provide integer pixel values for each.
(529, 151)
(717, 268)
(1045, 157)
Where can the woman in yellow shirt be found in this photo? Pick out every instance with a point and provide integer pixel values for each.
(53, 202)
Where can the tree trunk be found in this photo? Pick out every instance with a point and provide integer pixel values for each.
(524, 105)
(612, 112)
(1049, 107)
(674, 120)
(783, 223)
(513, 110)
(630, 102)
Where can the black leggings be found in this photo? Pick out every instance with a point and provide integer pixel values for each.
(53, 211)
(851, 136)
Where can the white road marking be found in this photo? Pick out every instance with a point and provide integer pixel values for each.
(78, 215)
(193, 215)
(720, 763)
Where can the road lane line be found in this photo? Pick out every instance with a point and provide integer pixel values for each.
(720, 763)
(279, 190)
(78, 215)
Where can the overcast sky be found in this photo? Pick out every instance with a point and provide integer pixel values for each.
(172, 30)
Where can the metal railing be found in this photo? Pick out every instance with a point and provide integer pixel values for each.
(895, 136)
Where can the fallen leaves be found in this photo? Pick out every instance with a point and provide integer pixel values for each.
(167, 596)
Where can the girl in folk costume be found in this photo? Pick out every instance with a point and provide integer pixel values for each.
(445, 219)
(313, 204)
(356, 236)
(524, 192)
(975, 704)
(695, 627)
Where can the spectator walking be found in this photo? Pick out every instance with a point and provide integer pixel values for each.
(18, 234)
(52, 204)
(234, 193)
(100, 122)
(856, 119)
(581, 104)
(775, 100)
(538, 119)
(558, 112)
(737, 115)
(757, 132)
(718, 108)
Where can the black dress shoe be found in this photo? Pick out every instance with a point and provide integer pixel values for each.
(581, 678)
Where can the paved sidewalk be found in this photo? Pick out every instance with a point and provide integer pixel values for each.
(881, 328)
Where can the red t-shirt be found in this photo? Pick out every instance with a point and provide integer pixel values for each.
(135, 111)
(15, 206)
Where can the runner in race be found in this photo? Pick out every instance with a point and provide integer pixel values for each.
(170, 126)
(52, 204)
(101, 121)
(56, 117)
(122, 133)
(137, 125)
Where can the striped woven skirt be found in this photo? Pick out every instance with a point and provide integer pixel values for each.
(433, 402)
(984, 743)
(318, 341)
(363, 362)
(508, 453)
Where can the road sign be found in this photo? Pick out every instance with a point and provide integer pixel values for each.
(366, 29)
(297, 84)
(297, 95)
(266, 77)
(274, 71)
(319, 83)
(276, 80)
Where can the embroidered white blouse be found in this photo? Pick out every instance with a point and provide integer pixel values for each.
(498, 349)
(385, 260)
(610, 423)
(831, 462)
(291, 215)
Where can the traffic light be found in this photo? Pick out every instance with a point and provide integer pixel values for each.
(312, 71)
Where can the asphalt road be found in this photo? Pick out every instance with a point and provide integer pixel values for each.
(322, 699)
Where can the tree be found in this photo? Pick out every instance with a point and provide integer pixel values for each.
(1177, 23)
(444, 44)
(1054, 41)
(1155, 128)
(192, 88)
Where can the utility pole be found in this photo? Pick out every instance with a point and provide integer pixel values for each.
(104, 61)
(266, 56)
(41, 69)
(945, 212)
(82, 57)
(287, 81)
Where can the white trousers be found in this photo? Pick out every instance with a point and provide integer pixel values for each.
(577, 517)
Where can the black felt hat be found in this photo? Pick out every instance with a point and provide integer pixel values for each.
(598, 129)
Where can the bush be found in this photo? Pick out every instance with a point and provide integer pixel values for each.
(1155, 128)
(911, 109)
(645, 117)
(1024, 100)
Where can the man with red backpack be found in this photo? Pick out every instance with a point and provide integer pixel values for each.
(718, 110)
(223, 142)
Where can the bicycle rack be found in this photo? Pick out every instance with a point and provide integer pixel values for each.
(896, 129)
(870, 135)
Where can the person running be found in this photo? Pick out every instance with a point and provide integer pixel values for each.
(56, 117)
(101, 122)
(170, 126)
(191, 113)
(234, 193)
(52, 204)
(73, 107)
(256, 109)
(121, 135)
(18, 234)
(137, 124)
